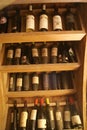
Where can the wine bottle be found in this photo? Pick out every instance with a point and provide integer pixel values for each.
(60, 56)
(35, 81)
(43, 23)
(75, 117)
(57, 21)
(67, 116)
(50, 116)
(3, 21)
(44, 54)
(35, 54)
(69, 20)
(30, 20)
(19, 82)
(33, 116)
(54, 53)
(45, 80)
(12, 81)
(41, 117)
(53, 80)
(65, 81)
(14, 117)
(26, 81)
(10, 54)
(58, 117)
(24, 117)
(65, 55)
(59, 82)
(16, 21)
(17, 55)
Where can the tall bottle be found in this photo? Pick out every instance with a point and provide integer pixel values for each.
(67, 116)
(3, 21)
(35, 81)
(54, 53)
(41, 118)
(14, 117)
(75, 117)
(12, 81)
(69, 20)
(50, 116)
(44, 54)
(19, 82)
(58, 117)
(26, 81)
(43, 23)
(45, 80)
(35, 54)
(64, 79)
(10, 54)
(17, 55)
(30, 20)
(59, 82)
(53, 80)
(24, 117)
(33, 116)
(16, 21)
(57, 21)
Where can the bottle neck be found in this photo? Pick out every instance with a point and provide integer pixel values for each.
(44, 7)
(30, 8)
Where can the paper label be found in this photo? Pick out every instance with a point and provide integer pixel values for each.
(35, 80)
(44, 21)
(34, 52)
(10, 54)
(18, 53)
(30, 22)
(24, 117)
(54, 51)
(41, 123)
(57, 22)
(67, 116)
(33, 115)
(44, 52)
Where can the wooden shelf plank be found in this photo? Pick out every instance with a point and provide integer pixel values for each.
(42, 36)
(39, 67)
(40, 93)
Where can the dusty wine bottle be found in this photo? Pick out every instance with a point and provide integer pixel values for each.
(43, 23)
(30, 20)
(19, 82)
(35, 81)
(54, 53)
(45, 80)
(12, 81)
(26, 81)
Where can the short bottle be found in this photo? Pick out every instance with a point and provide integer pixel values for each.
(54, 53)
(12, 81)
(57, 21)
(30, 20)
(35, 81)
(19, 82)
(43, 23)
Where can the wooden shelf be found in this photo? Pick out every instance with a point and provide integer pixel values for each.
(40, 67)
(42, 36)
(40, 93)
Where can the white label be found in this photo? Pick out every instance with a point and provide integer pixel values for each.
(24, 117)
(58, 115)
(43, 21)
(76, 119)
(54, 51)
(30, 22)
(34, 52)
(51, 115)
(33, 114)
(44, 52)
(67, 116)
(57, 22)
(19, 82)
(35, 80)
(10, 54)
(18, 53)
(11, 81)
(3, 20)
(41, 123)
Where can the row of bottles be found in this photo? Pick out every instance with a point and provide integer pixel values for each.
(39, 53)
(68, 19)
(40, 81)
(43, 116)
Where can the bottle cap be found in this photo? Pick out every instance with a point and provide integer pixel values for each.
(36, 101)
(42, 101)
(47, 101)
(71, 100)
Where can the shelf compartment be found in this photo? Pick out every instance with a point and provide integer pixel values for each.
(40, 93)
(40, 67)
(41, 36)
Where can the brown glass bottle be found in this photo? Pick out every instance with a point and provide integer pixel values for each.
(45, 80)
(19, 82)
(35, 81)
(26, 81)
(12, 81)
(43, 23)
(54, 53)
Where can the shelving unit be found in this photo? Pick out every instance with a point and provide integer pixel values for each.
(80, 75)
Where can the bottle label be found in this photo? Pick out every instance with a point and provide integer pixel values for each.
(33, 115)
(76, 119)
(70, 18)
(18, 53)
(51, 115)
(58, 115)
(34, 52)
(3, 20)
(11, 81)
(19, 82)
(30, 22)
(42, 123)
(35, 80)
(10, 54)
(43, 21)
(44, 52)
(24, 117)
(57, 22)
(54, 51)
(24, 59)
(67, 116)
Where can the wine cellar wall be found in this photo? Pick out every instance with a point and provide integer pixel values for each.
(43, 65)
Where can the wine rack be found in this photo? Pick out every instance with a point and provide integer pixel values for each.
(50, 36)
